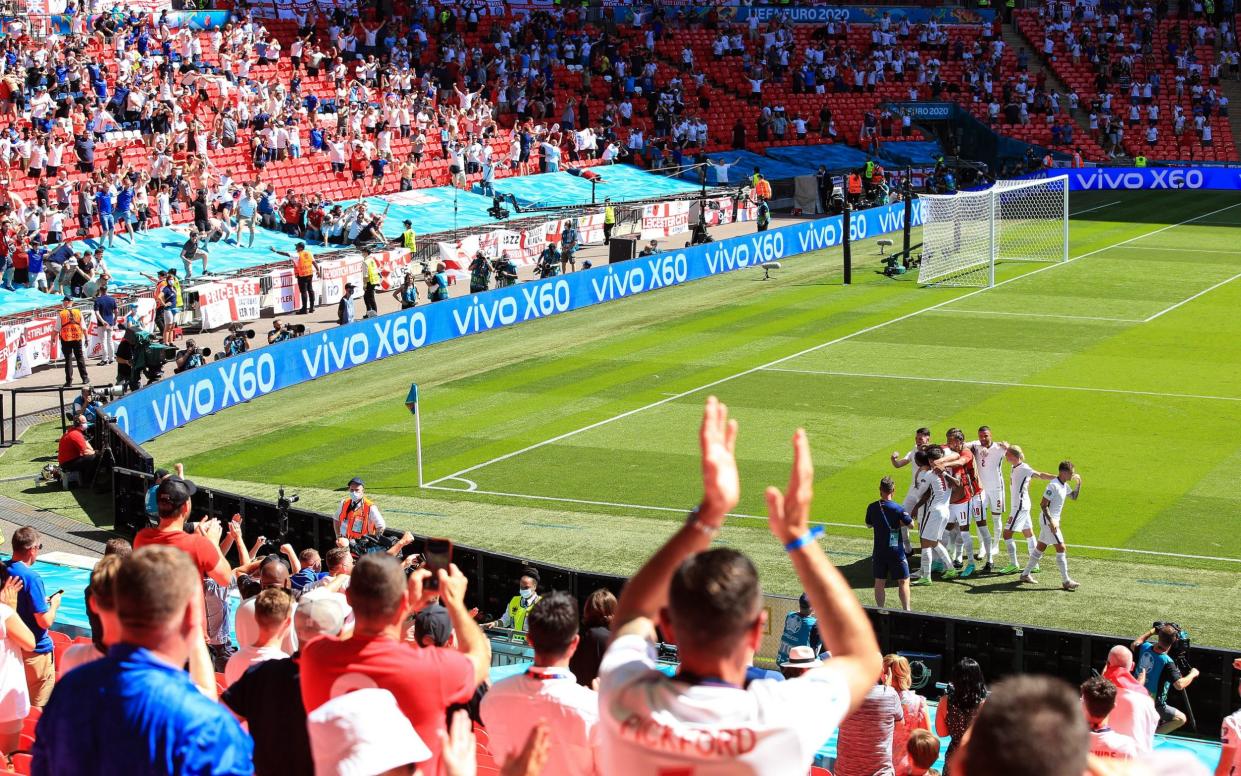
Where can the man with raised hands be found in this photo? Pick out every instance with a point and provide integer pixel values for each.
(706, 719)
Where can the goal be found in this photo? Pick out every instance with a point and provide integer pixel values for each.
(965, 234)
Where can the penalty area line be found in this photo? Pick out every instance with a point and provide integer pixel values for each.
(812, 349)
(856, 526)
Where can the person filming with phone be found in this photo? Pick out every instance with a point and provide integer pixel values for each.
(358, 516)
(37, 610)
(520, 605)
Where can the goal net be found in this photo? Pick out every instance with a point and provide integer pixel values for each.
(965, 234)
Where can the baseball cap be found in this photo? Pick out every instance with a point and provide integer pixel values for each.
(801, 657)
(66, 299)
(160, 474)
(317, 615)
(357, 481)
(362, 733)
(804, 600)
(433, 621)
(175, 491)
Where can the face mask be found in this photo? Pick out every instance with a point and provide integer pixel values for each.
(526, 593)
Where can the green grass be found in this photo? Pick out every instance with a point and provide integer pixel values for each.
(1061, 360)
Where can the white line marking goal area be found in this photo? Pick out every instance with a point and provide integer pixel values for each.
(773, 365)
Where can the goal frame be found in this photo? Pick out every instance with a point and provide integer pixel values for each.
(995, 217)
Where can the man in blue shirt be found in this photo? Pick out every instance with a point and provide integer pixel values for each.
(136, 712)
(886, 517)
(38, 612)
(1160, 673)
(103, 206)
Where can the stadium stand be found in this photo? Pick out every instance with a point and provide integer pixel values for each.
(1124, 63)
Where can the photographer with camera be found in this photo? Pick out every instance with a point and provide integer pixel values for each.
(505, 271)
(278, 333)
(236, 342)
(88, 405)
(480, 273)
(192, 357)
(437, 283)
(1164, 665)
(549, 261)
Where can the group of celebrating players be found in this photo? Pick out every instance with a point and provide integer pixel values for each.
(957, 484)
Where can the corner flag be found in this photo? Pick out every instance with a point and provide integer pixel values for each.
(411, 401)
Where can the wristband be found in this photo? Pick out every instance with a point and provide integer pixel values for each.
(814, 533)
(707, 530)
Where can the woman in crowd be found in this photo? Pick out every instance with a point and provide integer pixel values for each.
(596, 632)
(960, 704)
(15, 637)
(898, 676)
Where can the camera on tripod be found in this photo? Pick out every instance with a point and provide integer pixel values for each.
(497, 209)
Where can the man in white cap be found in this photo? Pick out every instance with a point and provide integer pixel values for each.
(269, 695)
(801, 659)
(363, 733)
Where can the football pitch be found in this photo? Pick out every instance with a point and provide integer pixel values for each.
(572, 440)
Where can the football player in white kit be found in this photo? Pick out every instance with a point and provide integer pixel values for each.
(1019, 519)
(1049, 532)
(934, 490)
(922, 438)
(989, 456)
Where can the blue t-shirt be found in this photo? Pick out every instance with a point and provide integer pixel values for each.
(798, 632)
(32, 600)
(132, 714)
(105, 306)
(886, 518)
(1160, 670)
(306, 576)
(103, 203)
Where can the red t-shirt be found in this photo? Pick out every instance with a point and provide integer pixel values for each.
(73, 445)
(197, 546)
(425, 681)
(963, 469)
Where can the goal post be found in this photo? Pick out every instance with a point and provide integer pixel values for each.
(965, 234)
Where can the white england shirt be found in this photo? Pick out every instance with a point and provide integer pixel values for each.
(1019, 490)
(990, 463)
(1109, 744)
(1230, 737)
(933, 481)
(653, 724)
(1056, 494)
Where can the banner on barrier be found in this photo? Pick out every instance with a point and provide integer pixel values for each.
(283, 296)
(180, 399)
(10, 347)
(665, 219)
(39, 346)
(858, 14)
(228, 301)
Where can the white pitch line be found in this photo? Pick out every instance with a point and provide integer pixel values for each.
(621, 505)
(956, 310)
(1192, 298)
(1180, 250)
(1004, 384)
(682, 510)
(812, 349)
(1093, 209)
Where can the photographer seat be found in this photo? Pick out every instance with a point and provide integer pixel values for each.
(69, 479)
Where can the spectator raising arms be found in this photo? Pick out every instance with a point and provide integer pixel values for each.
(425, 681)
(709, 601)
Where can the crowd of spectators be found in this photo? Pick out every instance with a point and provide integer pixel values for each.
(376, 664)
